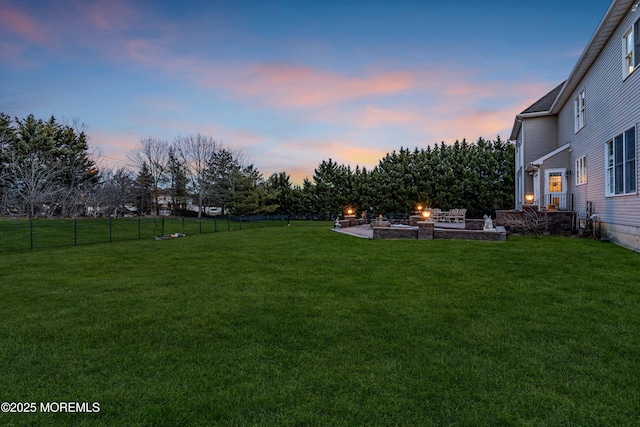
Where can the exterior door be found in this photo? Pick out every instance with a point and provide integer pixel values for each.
(556, 189)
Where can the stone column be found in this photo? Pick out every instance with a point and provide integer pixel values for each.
(425, 230)
(351, 219)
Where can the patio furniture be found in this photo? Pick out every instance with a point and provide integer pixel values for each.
(457, 215)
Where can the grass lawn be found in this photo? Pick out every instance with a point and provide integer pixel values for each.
(300, 326)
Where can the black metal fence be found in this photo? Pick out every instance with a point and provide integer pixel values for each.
(29, 234)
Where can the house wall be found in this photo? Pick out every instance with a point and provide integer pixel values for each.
(537, 137)
(540, 136)
(612, 106)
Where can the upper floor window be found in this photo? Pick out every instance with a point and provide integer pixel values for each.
(620, 157)
(631, 42)
(581, 170)
(579, 107)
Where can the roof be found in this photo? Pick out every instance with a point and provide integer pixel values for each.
(552, 102)
(539, 108)
(538, 162)
(612, 19)
(544, 104)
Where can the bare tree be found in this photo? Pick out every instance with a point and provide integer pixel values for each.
(196, 151)
(155, 154)
(115, 193)
(32, 183)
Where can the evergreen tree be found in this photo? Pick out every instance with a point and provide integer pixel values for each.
(44, 157)
(177, 182)
(144, 189)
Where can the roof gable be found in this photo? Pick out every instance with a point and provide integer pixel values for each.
(544, 104)
(612, 19)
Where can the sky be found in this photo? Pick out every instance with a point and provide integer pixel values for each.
(287, 83)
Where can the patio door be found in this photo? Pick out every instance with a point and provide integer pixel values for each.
(556, 189)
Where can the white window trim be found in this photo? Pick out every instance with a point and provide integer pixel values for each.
(630, 51)
(607, 187)
(627, 53)
(581, 170)
(579, 106)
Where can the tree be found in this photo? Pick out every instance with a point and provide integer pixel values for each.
(197, 153)
(287, 197)
(178, 181)
(33, 184)
(478, 177)
(153, 155)
(253, 195)
(223, 172)
(118, 189)
(144, 190)
(48, 162)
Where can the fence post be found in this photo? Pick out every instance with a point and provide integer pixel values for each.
(228, 223)
(110, 229)
(31, 233)
(182, 218)
(162, 226)
(139, 228)
(215, 224)
(200, 224)
(75, 231)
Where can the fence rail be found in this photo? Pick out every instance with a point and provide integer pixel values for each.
(29, 234)
(558, 201)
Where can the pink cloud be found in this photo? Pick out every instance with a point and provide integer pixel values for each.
(20, 23)
(287, 85)
(108, 14)
(142, 51)
(372, 117)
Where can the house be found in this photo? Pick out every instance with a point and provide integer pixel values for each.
(577, 146)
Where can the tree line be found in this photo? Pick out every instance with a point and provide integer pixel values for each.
(477, 177)
(46, 169)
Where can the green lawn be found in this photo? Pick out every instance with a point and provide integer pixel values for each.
(300, 326)
(27, 234)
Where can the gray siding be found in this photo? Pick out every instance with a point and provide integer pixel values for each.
(540, 137)
(612, 106)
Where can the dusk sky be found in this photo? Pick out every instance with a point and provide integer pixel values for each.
(289, 83)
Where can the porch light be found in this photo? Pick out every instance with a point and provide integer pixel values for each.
(419, 207)
(426, 214)
(349, 211)
(528, 198)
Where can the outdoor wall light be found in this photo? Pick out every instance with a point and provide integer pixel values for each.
(635, 7)
(528, 198)
(568, 173)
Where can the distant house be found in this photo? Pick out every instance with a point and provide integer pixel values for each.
(576, 147)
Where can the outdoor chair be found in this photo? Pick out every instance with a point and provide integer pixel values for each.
(451, 215)
(457, 215)
(436, 215)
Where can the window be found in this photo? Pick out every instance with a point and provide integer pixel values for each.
(555, 182)
(581, 170)
(621, 164)
(579, 107)
(631, 42)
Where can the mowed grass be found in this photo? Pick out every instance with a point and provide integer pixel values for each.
(26, 234)
(301, 326)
